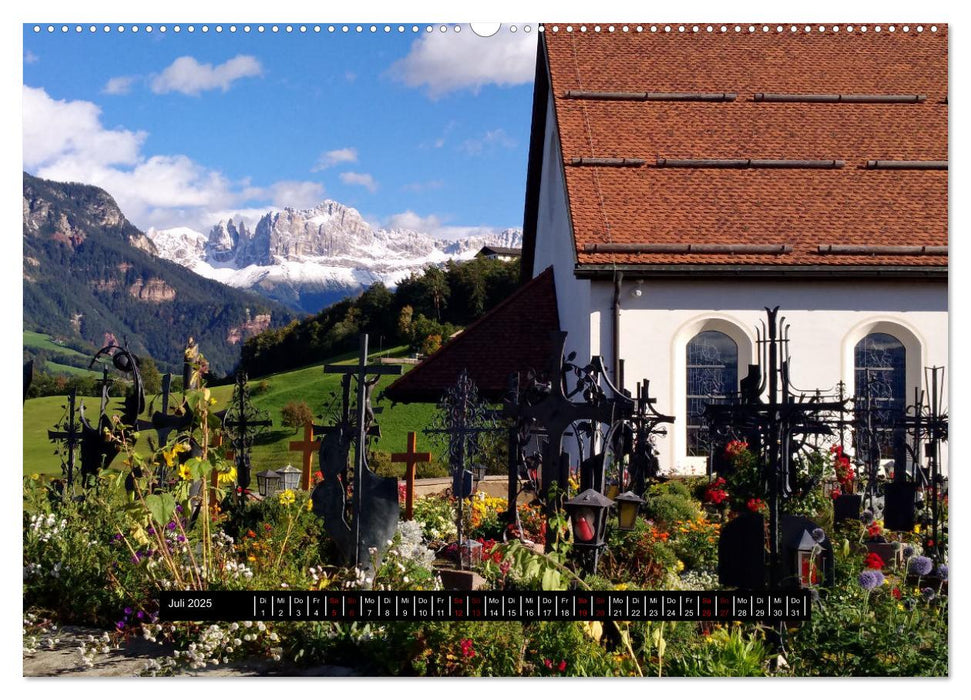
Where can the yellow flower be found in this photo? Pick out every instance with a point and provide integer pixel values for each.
(287, 497)
(680, 566)
(184, 472)
(593, 629)
(310, 504)
(226, 477)
(917, 529)
(35, 476)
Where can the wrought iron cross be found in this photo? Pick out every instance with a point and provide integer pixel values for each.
(70, 434)
(362, 478)
(244, 423)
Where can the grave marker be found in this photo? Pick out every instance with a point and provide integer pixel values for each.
(411, 458)
(308, 446)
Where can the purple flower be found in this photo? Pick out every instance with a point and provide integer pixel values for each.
(178, 508)
(151, 530)
(120, 624)
(867, 517)
(818, 535)
(908, 551)
(920, 566)
(180, 538)
(942, 572)
(128, 612)
(140, 615)
(870, 579)
(171, 525)
(117, 537)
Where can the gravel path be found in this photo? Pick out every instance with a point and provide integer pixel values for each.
(62, 660)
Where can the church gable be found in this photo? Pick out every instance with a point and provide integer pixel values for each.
(757, 152)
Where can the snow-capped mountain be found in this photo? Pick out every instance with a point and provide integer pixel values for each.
(312, 257)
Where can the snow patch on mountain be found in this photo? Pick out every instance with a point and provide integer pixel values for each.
(301, 257)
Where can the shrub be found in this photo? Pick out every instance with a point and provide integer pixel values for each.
(296, 413)
(670, 502)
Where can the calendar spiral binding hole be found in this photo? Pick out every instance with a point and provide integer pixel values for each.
(594, 29)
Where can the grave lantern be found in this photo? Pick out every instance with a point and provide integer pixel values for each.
(628, 504)
(809, 563)
(588, 514)
(478, 471)
(268, 482)
(289, 477)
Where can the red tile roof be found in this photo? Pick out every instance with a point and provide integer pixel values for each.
(512, 337)
(800, 207)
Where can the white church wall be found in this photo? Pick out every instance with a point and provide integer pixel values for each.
(826, 318)
(554, 246)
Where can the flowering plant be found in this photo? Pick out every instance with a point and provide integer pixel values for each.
(843, 470)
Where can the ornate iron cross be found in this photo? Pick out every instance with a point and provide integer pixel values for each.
(463, 418)
(70, 434)
(244, 423)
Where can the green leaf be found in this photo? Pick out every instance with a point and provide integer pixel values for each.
(161, 507)
(551, 580)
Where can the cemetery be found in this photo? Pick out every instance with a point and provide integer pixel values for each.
(720, 374)
(794, 501)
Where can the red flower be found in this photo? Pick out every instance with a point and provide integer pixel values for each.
(873, 529)
(547, 663)
(562, 667)
(250, 533)
(735, 448)
(467, 649)
(895, 593)
(873, 561)
(835, 493)
(755, 504)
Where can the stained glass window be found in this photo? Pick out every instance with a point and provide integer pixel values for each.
(880, 366)
(712, 374)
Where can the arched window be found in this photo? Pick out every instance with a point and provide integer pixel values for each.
(880, 374)
(712, 362)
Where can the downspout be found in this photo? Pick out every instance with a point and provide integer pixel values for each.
(618, 366)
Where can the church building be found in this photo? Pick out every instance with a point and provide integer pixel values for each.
(682, 179)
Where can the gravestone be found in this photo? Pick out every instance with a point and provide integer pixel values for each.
(741, 552)
(847, 507)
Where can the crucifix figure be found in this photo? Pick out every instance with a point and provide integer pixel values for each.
(411, 458)
(373, 499)
(70, 434)
(244, 423)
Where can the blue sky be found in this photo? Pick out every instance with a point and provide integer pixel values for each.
(428, 130)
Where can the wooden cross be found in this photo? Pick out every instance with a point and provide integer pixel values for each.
(308, 446)
(71, 436)
(217, 441)
(411, 458)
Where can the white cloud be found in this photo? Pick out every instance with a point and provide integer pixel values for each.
(120, 85)
(332, 158)
(444, 62)
(66, 141)
(435, 226)
(30, 57)
(412, 221)
(419, 187)
(58, 130)
(188, 76)
(295, 194)
(362, 179)
(490, 140)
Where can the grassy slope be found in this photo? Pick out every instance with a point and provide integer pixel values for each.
(309, 384)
